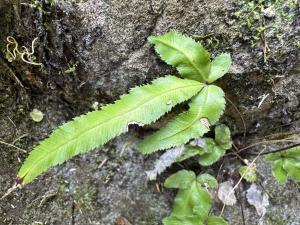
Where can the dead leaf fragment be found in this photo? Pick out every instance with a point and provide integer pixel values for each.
(165, 160)
(226, 193)
(122, 221)
(257, 199)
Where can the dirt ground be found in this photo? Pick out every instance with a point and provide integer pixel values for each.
(94, 50)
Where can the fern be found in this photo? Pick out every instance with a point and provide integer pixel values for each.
(219, 66)
(286, 164)
(193, 201)
(212, 150)
(189, 57)
(143, 105)
(208, 104)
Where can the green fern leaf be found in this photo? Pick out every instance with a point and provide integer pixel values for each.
(143, 105)
(207, 180)
(286, 164)
(181, 180)
(211, 150)
(215, 149)
(214, 153)
(219, 66)
(293, 153)
(223, 136)
(209, 104)
(189, 152)
(192, 200)
(188, 56)
(278, 172)
(293, 169)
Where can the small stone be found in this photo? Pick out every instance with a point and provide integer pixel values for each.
(269, 12)
(257, 199)
(95, 105)
(36, 115)
(226, 193)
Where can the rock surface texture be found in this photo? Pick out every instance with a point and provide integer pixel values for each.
(95, 50)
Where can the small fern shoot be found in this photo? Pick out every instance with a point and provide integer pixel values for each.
(193, 202)
(286, 164)
(212, 149)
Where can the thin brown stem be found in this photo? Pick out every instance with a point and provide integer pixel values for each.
(281, 149)
(266, 142)
(11, 145)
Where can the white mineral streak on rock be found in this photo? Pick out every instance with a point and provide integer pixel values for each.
(164, 162)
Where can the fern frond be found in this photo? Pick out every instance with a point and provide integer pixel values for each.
(219, 66)
(143, 105)
(188, 56)
(209, 104)
(286, 164)
(192, 200)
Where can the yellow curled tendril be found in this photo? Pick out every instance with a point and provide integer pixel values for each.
(24, 54)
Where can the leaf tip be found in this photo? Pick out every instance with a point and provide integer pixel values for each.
(151, 39)
(20, 181)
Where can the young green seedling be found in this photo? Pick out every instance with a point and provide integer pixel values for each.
(193, 202)
(286, 164)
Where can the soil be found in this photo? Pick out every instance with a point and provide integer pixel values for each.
(94, 50)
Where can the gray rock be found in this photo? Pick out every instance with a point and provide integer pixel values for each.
(106, 41)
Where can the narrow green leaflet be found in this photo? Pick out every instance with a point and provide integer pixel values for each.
(188, 56)
(219, 66)
(143, 105)
(208, 104)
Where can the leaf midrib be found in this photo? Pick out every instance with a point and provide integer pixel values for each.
(191, 123)
(190, 60)
(186, 200)
(93, 127)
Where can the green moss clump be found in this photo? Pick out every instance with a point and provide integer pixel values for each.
(264, 19)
